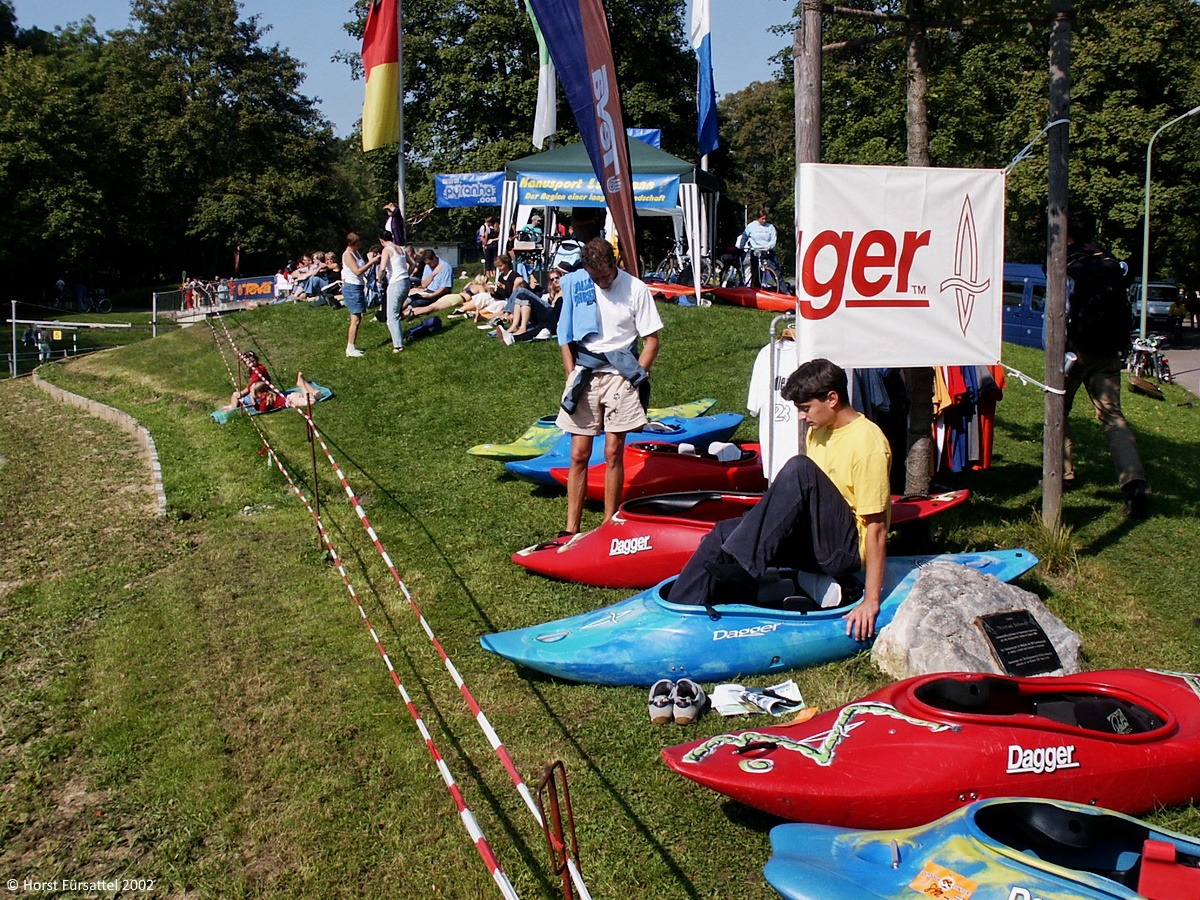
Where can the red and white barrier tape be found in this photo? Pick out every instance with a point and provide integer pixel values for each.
(480, 717)
(468, 818)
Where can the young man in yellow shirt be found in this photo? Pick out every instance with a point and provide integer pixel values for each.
(826, 512)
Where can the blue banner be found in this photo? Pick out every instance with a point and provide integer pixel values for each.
(469, 189)
(569, 189)
(651, 136)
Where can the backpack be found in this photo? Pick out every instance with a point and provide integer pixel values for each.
(1098, 318)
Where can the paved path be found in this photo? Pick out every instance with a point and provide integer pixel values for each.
(1184, 356)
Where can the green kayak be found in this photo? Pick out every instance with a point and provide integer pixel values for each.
(543, 433)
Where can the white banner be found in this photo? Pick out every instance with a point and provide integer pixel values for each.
(899, 266)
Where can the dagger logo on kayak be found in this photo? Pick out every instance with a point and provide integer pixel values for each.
(819, 748)
(629, 546)
(1043, 759)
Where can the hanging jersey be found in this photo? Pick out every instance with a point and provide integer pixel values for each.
(778, 423)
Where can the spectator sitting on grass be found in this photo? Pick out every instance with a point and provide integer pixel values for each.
(531, 313)
(257, 375)
(437, 282)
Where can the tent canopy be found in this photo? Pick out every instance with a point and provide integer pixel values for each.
(694, 218)
(645, 160)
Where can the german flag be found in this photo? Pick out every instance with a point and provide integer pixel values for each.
(381, 63)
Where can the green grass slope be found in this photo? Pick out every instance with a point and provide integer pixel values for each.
(198, 702)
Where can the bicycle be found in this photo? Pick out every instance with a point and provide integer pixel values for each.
(676, 268)
(739, 271)
(1146, 360)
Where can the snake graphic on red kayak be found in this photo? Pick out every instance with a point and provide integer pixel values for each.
(1126, 739)
(650, 538)
(653, 467)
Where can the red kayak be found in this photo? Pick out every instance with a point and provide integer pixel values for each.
(657, 468)
(671, 290)
(1126, 739)
(755, 298)
(650, 538)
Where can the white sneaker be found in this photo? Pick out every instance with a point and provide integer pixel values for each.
(688, 700)
(662, 702)
(543, 335)
(508, 339)
(353, 351)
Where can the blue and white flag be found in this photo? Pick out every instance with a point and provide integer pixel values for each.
(706, 94)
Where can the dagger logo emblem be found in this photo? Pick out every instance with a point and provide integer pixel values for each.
(966, 282)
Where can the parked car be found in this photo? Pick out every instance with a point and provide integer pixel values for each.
(1160, 295)
(1024, 304)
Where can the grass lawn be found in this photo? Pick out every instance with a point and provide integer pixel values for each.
(198, 702)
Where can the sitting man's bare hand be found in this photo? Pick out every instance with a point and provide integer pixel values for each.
(860, 621)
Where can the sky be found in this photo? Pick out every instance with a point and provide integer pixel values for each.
(311, 31)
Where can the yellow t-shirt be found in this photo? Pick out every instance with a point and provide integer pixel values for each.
(858, 460)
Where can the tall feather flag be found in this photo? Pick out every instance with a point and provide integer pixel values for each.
(381, 63)
(577, 36)
(545, 117)
(706, 95)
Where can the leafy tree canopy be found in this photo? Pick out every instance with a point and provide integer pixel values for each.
(1134, 66)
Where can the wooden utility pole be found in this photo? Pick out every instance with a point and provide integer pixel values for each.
(806, 54)
(1056, 264)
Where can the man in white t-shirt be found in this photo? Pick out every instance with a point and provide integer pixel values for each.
(605, 310)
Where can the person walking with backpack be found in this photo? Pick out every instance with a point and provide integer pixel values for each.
(1098, 334)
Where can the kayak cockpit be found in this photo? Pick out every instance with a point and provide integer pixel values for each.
(788, 590)
(994, 696)
(1113, 847)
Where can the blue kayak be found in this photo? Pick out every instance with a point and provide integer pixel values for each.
(1000, 849)
(647, 637)
(700, 431)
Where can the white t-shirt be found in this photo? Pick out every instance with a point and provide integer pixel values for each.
(778, 422)
(626, 311)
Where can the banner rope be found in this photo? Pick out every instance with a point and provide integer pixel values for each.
(1028, 380)
(1028, 150)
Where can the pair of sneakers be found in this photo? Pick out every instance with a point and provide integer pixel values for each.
(681, 700)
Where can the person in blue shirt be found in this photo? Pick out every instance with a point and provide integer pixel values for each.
(437, 281)
(760, 235)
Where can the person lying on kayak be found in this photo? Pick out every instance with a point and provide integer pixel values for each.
(825, 512)
(267, 399)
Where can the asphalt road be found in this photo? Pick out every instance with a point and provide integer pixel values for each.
(1183, 353)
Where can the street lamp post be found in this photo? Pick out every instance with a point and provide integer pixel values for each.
(1146, 218)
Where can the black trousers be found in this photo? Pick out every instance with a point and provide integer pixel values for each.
(802, 522)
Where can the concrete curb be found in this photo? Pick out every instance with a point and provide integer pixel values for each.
(122, 420)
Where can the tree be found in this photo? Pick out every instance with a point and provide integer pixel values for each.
(228, 152)
(756, 160)
(50, 203)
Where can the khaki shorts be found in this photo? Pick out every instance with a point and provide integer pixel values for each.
(610, 404)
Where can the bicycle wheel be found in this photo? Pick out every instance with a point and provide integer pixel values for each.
(104, 305)
(663, 270)
(707, 275)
